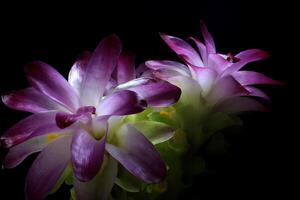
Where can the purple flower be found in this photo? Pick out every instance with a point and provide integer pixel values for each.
(221, 81)
(79, 122)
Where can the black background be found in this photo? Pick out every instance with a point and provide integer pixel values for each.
(264, 155)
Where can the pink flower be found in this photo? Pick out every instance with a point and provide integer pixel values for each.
(221, 80)
(73, 122)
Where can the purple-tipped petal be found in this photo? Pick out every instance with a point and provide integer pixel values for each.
(86, 109)
(126, 68)
(252, 55)
(122, 102)
(158, 93)
(205, 77)
(64, 120)
(83, 114)
(239, 104)
(217, 62)
(78, 71)
(138, 155)
(253, 78)
(99, 70)
(48, 81)
(183, 49)
(224, 88)
(202, 50)
(208, 39)
(87, 155)
(246, 57)
(257, 93)
(19, 152)
(168, 67)
(30, 100)
(34, 125)
(47, 169)
(100, 186)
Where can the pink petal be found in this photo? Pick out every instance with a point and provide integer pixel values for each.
(257, 93)
(202, 49)
(48, 81)
(138, 155)
(224, 88)
(31, 100)
(34, 125)
(168, 67)
(252, 78)
(183, 49)
(112, 83)
(87, 155)
(157, 93)
(47, 169)
(217, 62)
(208, 39)
(19, 152)
(78, 71)
(99, 70)
(122, 102)
(239, 104)
(99, 188)
(83, 114)
(126, 68)
(141, 69)
(205, 77)
(246, 57)
(64, 120)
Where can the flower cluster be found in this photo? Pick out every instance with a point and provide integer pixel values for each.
(114, 125)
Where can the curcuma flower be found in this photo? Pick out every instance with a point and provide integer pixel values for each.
(218, 77)
(77, 124)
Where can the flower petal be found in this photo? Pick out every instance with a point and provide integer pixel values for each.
(138, 155)
(191, 90)
(34, 125)
(31, 100)
(166, 66)
(208, 39)
(206, 78)
(158, 93)
(257, 93)
(99, 70)
(122, 102)
(127, 181)
(156, 132)
(141, 69)
(48, 81)
(217, 62)
(126, 68)
(83, 114)
(100, 186)
(47, 169)
(19, 152)
(239, 104)
(224, 88)
(87, 155)
(202, 49)
(78, 71)
(246, 57)
(252, 78)
(112, 83)
(183, 49)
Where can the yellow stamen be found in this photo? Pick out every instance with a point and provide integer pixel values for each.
(51, 137)
(165, 113)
